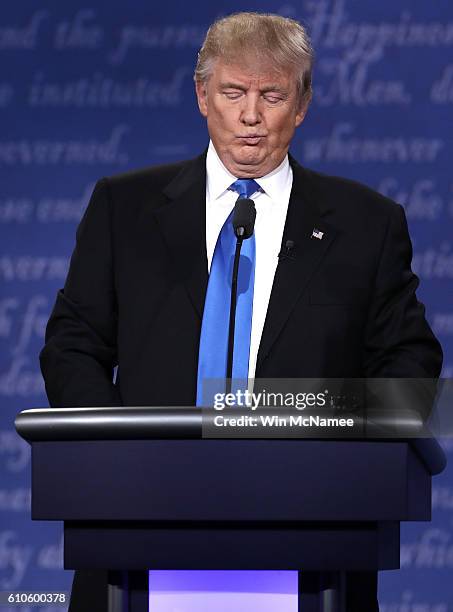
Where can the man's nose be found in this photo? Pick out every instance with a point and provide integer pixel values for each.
(251, 113)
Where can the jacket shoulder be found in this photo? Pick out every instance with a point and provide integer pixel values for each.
(157, 176)
(145, 182)
(349, 196)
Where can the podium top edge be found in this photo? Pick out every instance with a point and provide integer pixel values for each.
(160, 422)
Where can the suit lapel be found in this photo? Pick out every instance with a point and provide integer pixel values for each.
(182, 222)
(305, 214)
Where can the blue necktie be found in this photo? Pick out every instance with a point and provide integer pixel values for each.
(212, 356)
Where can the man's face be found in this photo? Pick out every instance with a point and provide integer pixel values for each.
(252, 111)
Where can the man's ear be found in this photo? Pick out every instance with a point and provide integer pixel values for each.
(300, 114)
(202, 97)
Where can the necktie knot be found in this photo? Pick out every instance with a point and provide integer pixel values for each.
(245, 187)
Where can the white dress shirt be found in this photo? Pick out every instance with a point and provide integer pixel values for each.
(271, 208)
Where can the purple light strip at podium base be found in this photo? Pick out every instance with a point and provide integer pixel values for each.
(222, 591)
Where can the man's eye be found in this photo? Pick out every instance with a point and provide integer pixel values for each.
(233, 95)
(272, 99)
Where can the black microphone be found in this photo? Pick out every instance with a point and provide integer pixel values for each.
(285, 252)
(244, 218)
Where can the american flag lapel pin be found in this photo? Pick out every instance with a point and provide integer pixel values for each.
(316, 233)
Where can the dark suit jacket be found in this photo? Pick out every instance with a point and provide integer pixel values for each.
(342, 306)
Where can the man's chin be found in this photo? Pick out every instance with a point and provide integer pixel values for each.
(251, 163)
(247, 161)
(252, 158)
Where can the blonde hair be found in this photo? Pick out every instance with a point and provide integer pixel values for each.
(283, 41)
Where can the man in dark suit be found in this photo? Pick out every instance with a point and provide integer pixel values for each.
(342, 305)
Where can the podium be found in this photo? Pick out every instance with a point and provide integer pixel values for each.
(140, 489)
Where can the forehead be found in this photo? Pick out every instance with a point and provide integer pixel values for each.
(248, 72)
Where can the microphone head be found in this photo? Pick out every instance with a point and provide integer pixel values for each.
(244, 218)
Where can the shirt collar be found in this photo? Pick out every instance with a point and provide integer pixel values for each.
(219, 178)
(277, 181)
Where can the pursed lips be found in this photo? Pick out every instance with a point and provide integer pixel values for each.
(251, 138)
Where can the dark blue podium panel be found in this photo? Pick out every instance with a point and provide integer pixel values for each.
(279, 546)
(228, 480)
(230, 504)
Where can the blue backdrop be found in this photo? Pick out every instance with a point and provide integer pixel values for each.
(93, 89)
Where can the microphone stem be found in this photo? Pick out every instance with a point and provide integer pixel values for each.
(234, 291)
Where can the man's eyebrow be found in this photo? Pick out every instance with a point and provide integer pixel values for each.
(275, 88)
(268, 88)
(231, 85)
